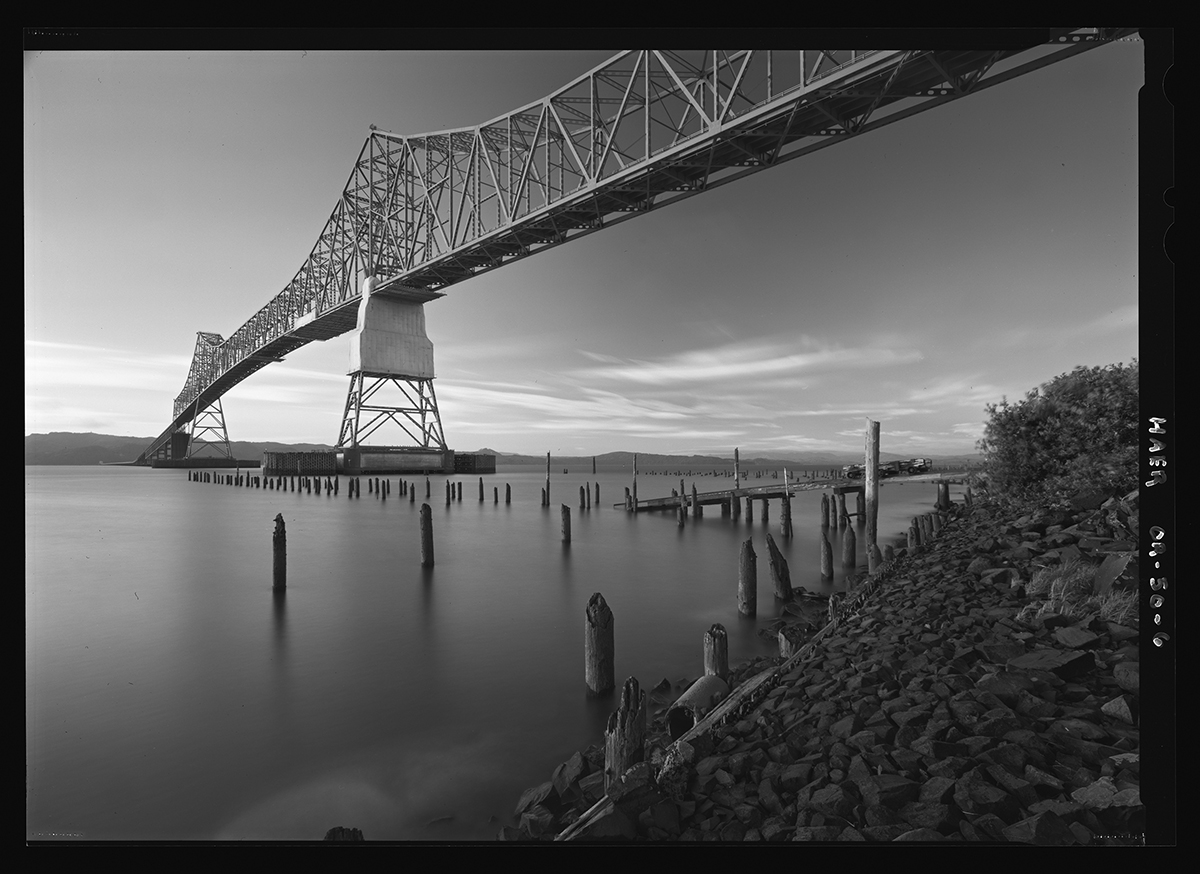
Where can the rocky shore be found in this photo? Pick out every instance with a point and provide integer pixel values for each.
(983, 687)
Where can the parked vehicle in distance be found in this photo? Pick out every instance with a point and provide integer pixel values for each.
(892, 468)
(854, 471)
(920, 465)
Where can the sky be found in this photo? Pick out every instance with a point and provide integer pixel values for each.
(910, 276)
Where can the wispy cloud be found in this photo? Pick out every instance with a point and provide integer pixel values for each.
(741, 360)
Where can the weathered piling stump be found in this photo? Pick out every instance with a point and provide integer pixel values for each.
(914, 537)
(735, 506)
(412, 493)
(681, 511)
(495, 494)
(598, 651)
(507, 493)
(967, 496)
(849, 548)
(749, 509)
(587, 494)
(889, 554)
(785, 518)
(780, 575)
(448, 492)
(566, 523)
(426, 536)
(426, 487)
(597, 494)
(716, 652)
(843, 517)
(935, 520)
(766, 511)
(826, 558)
(748, 580)
(697, 510)
(874, 558)
(582, 498)
(628, 501)
(860, 507)
(791, 639)
(543, 497)
(279, 550)
(459, 491)
(625, 736)
(824, 510)
(481, 490)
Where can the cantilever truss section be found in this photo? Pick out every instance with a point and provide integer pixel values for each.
(378, 400)
(641, 131)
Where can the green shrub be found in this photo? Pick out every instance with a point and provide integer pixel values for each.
(1076, 433)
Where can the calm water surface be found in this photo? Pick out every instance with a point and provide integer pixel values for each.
(172, 695)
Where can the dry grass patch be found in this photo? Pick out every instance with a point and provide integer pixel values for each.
(1068, 590)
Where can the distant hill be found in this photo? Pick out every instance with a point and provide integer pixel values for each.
(64, 447)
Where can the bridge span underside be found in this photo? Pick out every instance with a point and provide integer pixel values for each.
(644, 130)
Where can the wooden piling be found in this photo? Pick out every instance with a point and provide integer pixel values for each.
(826, 557)
(566, 523)
(635, 501)
(279, 549)
(507, 493)
(824, 510)
(426, 536)
(716, 653)
(426, 487)
(833, 511)
(779, 571)
(697, 510)
(737, 476)
(593, 465)
(582, 498)
(860, 508)
(628, 501)
(587, 494)
(412, 493)
(448, 493)
(481, 490)
(889, 554)
(874, 558)
(748, 580)
(785, 518)
(597, 494)
(749, 509)
(843, 519)
(625, 735)
(495, 494)
(459, 491)
(598, 645)
(547, 479)
(849, 551)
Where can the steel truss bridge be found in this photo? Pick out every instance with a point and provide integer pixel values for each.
(644, 130)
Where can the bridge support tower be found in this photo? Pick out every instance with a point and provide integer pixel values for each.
(391, 387)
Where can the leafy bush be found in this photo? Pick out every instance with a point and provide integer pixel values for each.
(1076, 433)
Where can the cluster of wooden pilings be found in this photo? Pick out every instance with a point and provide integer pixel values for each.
(625, 732)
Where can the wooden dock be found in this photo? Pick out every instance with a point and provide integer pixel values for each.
(725, 496)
